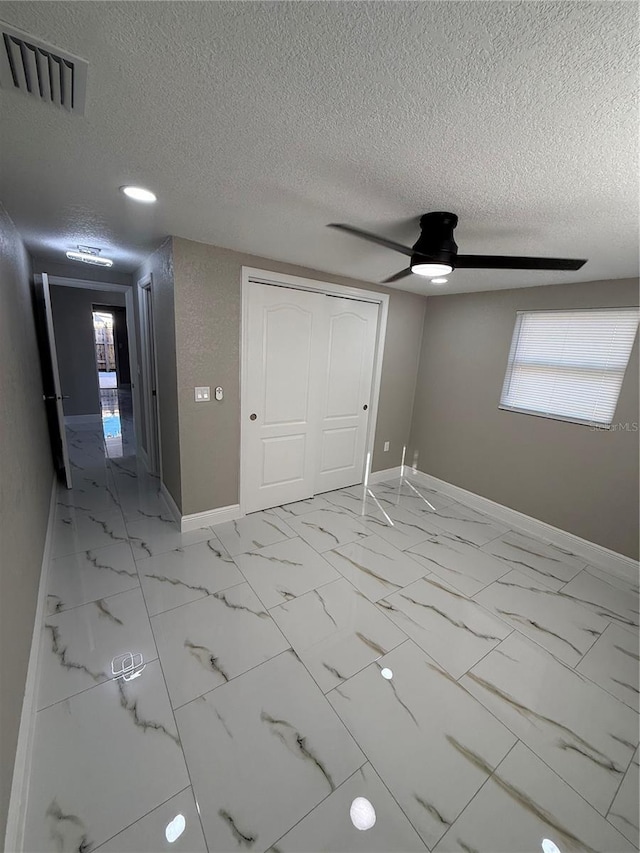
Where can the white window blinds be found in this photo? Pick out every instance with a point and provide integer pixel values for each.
(569, 365)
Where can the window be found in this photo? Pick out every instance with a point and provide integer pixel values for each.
(569, 365)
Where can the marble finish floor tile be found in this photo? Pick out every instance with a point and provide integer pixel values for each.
(209, 641)
(302, 507)
(77, 530)
(143, 506)
(253, 531)
(625, 583)
(411, 496)
(183, 575)
(455, 631)
(612, 662)
(468, 524)
(560, 624)
(154, 832)
(88, 575)
(99, 499)
(374, 566)
(401, 528)
(583, 733)
(417, 730)
(623, 813)
(277, 747)
(102, 759)
(281, 572)
(355, 501)
(325, 529)
(607, 598)
(523, 803)
(79, 645)
(336, 631)
(157, 535)
(462, 564)
(329, 826)
(539, 560)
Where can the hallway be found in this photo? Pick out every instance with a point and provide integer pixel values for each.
(238, 688)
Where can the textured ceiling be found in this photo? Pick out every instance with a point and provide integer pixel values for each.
(258, 123)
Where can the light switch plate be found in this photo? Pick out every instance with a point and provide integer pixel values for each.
(386, 446)
(203, 394)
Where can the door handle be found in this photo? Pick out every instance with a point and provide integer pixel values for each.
(252, 416)
(365, 407)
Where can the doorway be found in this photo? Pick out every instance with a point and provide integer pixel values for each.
(311, 367)
(74, 397)
(149, 404)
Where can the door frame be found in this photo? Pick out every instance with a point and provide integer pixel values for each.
(253, 275)
(149, 361)
(132, 335)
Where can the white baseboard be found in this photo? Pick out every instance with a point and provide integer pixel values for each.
(210, 517)
(173, 506)
(82, 420)
(383, 476)
(14, 835)
(591, 552)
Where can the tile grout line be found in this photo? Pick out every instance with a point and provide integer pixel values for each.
(175, 722)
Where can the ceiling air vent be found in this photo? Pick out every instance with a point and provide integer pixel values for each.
(35, 68)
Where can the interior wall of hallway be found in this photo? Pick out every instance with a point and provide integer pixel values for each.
(25, 489)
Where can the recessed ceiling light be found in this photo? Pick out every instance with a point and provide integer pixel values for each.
(430, 270)
(139, 194)
(549, 847)
(439, 280)
(386, 673)
(88, 255)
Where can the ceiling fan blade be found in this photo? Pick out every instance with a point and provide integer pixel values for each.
(372, 238)
(504, 262)
(397, 276)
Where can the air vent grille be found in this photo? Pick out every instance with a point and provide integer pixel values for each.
(44, 72)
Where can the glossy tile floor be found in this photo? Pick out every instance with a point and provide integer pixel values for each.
(261, 684)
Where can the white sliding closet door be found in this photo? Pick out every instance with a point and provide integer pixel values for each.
(346, 377)
(285, 341)
(307, 393)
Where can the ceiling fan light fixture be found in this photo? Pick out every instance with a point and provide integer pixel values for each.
(430, 270)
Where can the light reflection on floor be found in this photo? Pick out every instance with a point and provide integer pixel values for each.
(112, 400)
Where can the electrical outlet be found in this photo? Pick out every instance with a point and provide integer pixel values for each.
(203, 394)
(386, 446)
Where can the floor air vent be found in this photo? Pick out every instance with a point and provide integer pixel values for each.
(44, 72)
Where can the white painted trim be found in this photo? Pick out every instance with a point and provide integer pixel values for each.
(85, 284)
(212, 516)
(173, 506)
(591, 552)
(14, 836)
(78, 420)
(260, 276)
(386, 474)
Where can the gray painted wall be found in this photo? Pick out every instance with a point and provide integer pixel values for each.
(160, 267)
(26, 476)
(207, 316)
(581, 480)
(73, 325)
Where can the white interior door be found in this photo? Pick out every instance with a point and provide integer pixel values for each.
(56, 397)
(284, 331)
(345, 382)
